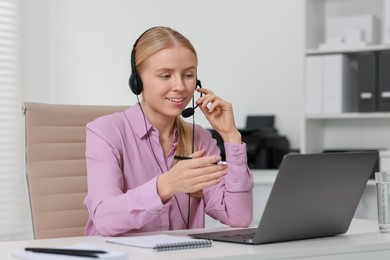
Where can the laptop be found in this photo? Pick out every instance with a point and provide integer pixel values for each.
(314, 195)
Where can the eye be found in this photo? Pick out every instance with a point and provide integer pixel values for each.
(189, 75)
(165, 76)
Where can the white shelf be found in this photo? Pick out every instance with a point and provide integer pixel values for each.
(349, 50)
(324, 131)
(378, 115)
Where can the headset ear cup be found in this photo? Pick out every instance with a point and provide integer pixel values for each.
(135, 84)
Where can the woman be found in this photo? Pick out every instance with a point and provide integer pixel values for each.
(134, 182)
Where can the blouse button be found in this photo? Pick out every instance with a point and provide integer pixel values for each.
(235, 149)
(235, 157)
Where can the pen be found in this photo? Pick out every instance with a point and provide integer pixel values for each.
(63, 251)
(177, 157)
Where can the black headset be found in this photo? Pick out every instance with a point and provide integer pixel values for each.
(135, 81)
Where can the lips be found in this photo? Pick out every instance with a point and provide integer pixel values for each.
(176, 100)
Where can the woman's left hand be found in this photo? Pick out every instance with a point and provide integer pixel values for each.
(220, 115)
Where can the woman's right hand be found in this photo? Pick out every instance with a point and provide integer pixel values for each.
(190, 176)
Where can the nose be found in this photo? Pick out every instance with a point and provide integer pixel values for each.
(179, 84)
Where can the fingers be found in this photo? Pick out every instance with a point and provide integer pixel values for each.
(190, 174)
(198, 154)
(202, 185)
(197, 173)
(198, 160)
(219, 113)
(206, 171)
(205, 177)
(210, 100)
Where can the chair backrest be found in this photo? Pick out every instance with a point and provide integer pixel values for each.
(56, 167)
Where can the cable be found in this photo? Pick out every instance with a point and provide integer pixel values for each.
(192, 150)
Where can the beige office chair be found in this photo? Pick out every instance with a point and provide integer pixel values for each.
(56, 168)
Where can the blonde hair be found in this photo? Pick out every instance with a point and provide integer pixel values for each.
(150, 42)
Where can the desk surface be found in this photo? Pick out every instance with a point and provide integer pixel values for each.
(362, 241)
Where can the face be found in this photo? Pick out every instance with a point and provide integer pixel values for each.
(169, 81)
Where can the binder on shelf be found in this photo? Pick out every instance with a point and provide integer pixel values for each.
(367, 82)
(384, 81)
(314, 84)
(337, 84)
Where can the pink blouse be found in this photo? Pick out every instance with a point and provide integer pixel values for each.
(122, 172)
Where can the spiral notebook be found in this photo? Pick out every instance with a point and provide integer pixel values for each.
(161, 242)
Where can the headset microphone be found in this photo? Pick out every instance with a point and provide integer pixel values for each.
(191, 110)
(188, 111)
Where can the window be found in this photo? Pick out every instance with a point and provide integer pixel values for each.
(15, 218)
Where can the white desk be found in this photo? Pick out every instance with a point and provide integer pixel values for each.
(362, 241)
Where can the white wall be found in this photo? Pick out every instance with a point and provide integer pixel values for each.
(250, 51)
